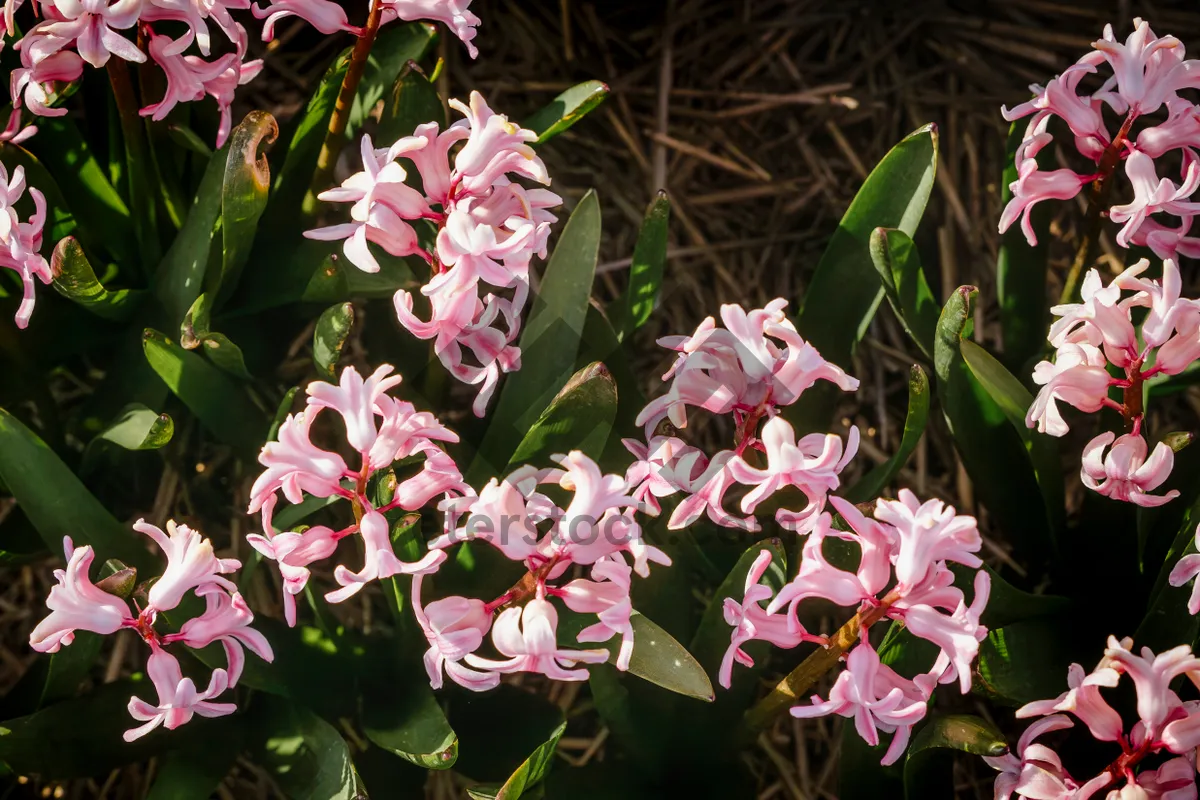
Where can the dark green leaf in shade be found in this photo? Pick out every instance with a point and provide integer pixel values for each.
(194, 773)
(927, 762)
(1026, 661)
(57, 503)
(550, 341)
(243, 197)
(302, 753)
(1168, 621)
(640, 298)
(75, 279)
(413, 101)
(531, 771)
(899, 266)
(579, 418)
(281, 413)
(329, 337)
(188, 138)
(219, 403)
(514, 762)
(844, 292)
(135, 428)
(195, 333)
(988, 444)
(871, 485)
(1014, 400)
(566, 109)
(1021, 269)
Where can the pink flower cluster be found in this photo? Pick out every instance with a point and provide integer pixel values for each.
(1166, 725)
(1098, 332)
(21, 241)
(902, 575)
(489, 227)
(1147, 74)
(382, 430)
(77, 604)
(329, 17)
(596, 529)
(749, 369)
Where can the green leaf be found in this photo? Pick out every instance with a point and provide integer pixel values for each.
(579, 418)
(406, 719)
(103, 218)
(1027, 661)
(301, 752)
(135, 428)
(187, 138)
(1021, 269)
(221, 405)
(329, 337)
(550, 341)
(194, 333)
(69, 666)
(195, 773)
(281, 413)
(413, 101)
(873, 483)
(1168, 621)
(844, 292)
(1014, 400)
(926, 763)
(989, 446)
(484, 756)
(530, 772)
(646, 269)
(75, 279)
(243, 197)
(566, 109)
(899, 266)
(57, 503)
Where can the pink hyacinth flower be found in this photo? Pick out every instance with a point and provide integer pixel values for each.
(1126, 473)
(1076, 376)
(928, 533)
(226, 619)
(21, 241)
(1173, 780)
(178, 699)
(817, 577)
(195, 14)
(607, 596)
(751, 622)
(1098, 320)
(327, 17)
(1034, 185)
(528, 636)
(1142, 65)
(1152, 675)
(454, 627)
(76, 604)
(191, 564)
(28, 84)
(811, 465)
(1151, 195)
(295, 466)
(499, 516)
(1186, 570)
(354, 399)
(1083, 699)
(707, 493)
(379, 560)
(1034, 770)
(293, 552)
(91, 25)
(957, 634)
(876, 698)
(454, 14)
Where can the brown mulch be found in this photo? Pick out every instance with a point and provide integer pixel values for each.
(761, 118)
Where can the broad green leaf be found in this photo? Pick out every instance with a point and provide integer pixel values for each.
(194, 333)
(301, 752)
(219, 403)
(103, 217)
(1006, 603)
(566, 109)
(899, 266)
(600, 343)
(646, 269)
(873, 483)
(405, 719)
(243, 197)
(135, 428)
(413, 101)
(579, 418)
(989, 446)
(1167, 621)
(57, 503)
(329, 337)
(195, 773)
(927, 766)
(1027, 661)
(75, 279)
(69, 666)
(1021, 269)
(551, 338)
(530, 772)
(521, 755)
(844, 291)
(1014, 400)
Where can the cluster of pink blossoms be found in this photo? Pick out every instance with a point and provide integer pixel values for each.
(20, 242)
(77, 604)
(1097, 332)
(329, 17)
(488, 229)
(749, 369)
(902, 575)
(1166, 725)
(1147, 73)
